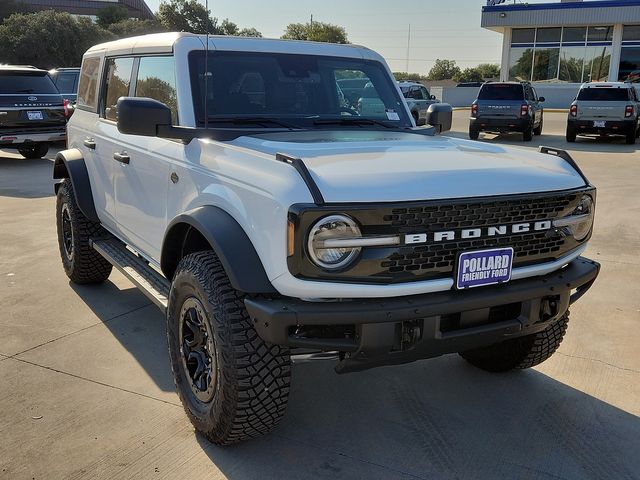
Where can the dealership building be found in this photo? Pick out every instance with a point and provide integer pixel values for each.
(88, 8)
(567, 42)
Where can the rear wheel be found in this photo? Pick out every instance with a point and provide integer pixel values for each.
(521, 352)
(232, 384)
(527, 135)
(474, 133)
(571, 135)
(81, 262)
(34, 151)
(631, 136)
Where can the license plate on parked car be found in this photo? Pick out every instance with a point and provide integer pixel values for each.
(599, 124)
(484, 267)
(34, 115)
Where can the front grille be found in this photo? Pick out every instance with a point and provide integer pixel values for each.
(433, 260)
(440, 258)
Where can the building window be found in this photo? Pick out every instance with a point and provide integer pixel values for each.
(630, 54)
(561, 54)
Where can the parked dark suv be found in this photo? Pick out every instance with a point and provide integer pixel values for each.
(507, 107)
(32, 113)
(66, 80)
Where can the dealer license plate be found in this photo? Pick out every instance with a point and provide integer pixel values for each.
(484, 267)
(599, 124)
(34, 115)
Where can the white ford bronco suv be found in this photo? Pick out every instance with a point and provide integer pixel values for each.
(225, 178)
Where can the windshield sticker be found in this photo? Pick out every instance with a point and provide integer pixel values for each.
(392, 114)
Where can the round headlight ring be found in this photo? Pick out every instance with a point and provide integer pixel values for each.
(585, 207)
(330, 227)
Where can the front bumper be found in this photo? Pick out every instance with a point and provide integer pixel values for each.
(498, 124)
(388, 331)
(16, 139)
(612, 127)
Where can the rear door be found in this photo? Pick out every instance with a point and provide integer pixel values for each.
(500, 100)
(29, 103)
(603, 103)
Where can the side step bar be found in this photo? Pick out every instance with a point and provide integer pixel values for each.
(149, 281)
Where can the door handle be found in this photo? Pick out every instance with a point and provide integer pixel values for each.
(122, 158)
(90, 143)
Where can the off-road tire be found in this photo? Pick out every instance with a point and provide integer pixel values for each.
(474, 133)
(251, 390)
(571, 135)
(520, 352)
(84, 265)
(538, 130)
(416, 118)
(34, 152)
(527, 135)
(631, 137)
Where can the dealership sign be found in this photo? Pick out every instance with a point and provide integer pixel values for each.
(491, 3)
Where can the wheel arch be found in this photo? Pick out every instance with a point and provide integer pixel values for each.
(210, 227)
(70, 164)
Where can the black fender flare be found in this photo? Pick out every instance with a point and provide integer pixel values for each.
(70, 164)
(228, 240)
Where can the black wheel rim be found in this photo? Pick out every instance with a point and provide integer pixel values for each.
(67, 231)
(197, 350)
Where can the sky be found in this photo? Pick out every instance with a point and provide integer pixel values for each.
(446, 29)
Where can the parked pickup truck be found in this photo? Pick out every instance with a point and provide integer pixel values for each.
(418, 100)
(507, 107)
(610, 108)
(32, 112)
(273, 220)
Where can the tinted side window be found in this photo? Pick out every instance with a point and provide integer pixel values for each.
(118, 79)
(425, 93)
(66, 82)
(157, 80)
(88, 85)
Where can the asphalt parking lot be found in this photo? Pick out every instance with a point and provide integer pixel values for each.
(86, 389)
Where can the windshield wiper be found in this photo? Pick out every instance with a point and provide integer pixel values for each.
(253, 121)
(352, 121)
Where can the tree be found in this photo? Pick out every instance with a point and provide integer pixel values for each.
(68, 37)
(444, 70)
(488, 70)
(469, 75)
(112, 14)
(186, 16)
(399, 76)
(249, 32)
(132, 27)
(316, 32)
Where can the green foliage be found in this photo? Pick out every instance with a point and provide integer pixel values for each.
(48, 39)
(249, 32)
(444, 70)
(408, 76)
(316, 32)
(488, 70)
(469, 75)
(132, 27)
(111, 14)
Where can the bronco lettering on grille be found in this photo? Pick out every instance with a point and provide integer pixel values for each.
(471, 233)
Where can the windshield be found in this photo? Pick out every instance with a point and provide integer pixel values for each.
(501, 91)
(18, 83)
(297, 89)
(604, 94)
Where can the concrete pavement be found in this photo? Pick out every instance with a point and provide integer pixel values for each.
(86, 390)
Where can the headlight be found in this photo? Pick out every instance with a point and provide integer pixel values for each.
(325, 238)
(580, 221)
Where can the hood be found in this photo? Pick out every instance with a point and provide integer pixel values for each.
(391, 166)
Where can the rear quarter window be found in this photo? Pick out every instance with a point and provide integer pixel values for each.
(604, 94)
(501, 92)
(26, 83)
(88, 84)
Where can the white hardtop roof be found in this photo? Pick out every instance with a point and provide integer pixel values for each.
(606, 85)
(166, 43)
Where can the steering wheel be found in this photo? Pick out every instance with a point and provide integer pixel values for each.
(350, 111)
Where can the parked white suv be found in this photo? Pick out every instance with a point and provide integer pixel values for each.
(264, 217)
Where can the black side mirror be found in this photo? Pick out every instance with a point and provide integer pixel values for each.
(142, 116)
(433, 97)
(541, 99)
(440, 116)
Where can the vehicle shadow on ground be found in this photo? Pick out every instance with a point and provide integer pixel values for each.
(136, 324)
(22, 178)
(584, 144)
(437, 419)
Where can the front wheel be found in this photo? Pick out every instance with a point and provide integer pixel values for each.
(232, 384)
(538, 130)
(521, 352)
(34, 152)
